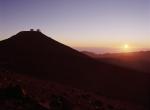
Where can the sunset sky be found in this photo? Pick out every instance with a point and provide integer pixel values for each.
(93, 25)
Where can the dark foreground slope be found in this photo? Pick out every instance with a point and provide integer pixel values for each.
(35, 54)
(22, 92)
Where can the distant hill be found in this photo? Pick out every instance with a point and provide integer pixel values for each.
(35, 54)
(135, 60)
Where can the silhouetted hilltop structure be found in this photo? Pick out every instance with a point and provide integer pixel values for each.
(33, 53)
(38, 30)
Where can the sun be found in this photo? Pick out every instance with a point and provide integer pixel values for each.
(126, 46)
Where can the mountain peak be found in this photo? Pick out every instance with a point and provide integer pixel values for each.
(21, 32)
(30, 34)
(30, 37)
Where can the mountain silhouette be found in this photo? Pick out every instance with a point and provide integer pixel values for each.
(136, 60)
(35, 54)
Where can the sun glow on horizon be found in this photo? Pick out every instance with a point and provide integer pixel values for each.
(126, 46)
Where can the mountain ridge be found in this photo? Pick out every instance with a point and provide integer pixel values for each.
(36, 54)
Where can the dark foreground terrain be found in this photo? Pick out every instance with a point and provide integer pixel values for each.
(23, 92)
(46, 73)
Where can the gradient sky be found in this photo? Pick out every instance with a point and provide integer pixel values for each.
(96, 25)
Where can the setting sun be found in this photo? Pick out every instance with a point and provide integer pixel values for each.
(126, 46)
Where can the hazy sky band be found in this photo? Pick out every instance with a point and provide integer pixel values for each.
(80, 23)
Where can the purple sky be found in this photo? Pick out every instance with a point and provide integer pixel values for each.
(81, 23)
